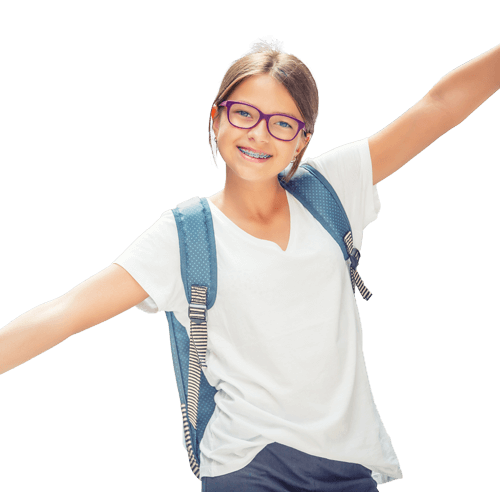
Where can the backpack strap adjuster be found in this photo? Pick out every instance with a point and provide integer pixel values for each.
(354, 256)
(197, 313)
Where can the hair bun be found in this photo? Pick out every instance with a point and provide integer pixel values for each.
(266, 44)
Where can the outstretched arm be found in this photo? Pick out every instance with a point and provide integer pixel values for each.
(106, 294)
(447, 104)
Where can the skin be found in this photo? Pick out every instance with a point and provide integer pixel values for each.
(252, 196)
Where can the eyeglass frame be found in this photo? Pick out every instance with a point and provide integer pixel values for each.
(263, 116)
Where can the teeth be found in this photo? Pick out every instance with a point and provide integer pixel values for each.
(253, 154)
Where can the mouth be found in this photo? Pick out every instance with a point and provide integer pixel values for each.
(253, 156)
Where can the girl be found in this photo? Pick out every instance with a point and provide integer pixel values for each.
(294, 410)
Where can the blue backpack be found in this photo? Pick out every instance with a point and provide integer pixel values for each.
(199, 275)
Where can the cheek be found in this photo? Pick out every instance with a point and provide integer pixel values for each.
(227, 132)
(288, 152)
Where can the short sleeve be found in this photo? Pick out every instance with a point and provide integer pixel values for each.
(348, 169)
(153, 260)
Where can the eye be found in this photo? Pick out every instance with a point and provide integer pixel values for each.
(241, 111)
(287, 125)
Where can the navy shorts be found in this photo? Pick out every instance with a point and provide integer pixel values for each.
(280, 468)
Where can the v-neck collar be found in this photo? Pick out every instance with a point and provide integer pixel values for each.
(241, 231)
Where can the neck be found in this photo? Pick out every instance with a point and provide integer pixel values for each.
(258, 201)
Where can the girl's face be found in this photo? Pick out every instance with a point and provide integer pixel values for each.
(265, 93)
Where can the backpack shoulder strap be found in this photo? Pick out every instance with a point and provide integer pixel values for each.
(198, 265)
(317, 195)
(199, 274)
(197, 246)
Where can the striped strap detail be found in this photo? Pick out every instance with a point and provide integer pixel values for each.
(187, 437)
(197, 357)
(197, 348)
(354, 256)
(198, 317)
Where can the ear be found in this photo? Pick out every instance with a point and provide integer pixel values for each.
(302, 143)
(215, 122)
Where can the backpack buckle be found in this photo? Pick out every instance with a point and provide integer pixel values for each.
(197, 313)
(354, 257)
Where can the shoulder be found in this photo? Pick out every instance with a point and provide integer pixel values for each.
(348, 168)
(346, 161)
(217, 199)
(155, 246)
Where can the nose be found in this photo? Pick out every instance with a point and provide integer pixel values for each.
(259, 132)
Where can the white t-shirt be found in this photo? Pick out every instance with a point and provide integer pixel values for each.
(284, 343)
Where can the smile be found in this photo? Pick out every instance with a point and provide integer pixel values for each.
(254, 155)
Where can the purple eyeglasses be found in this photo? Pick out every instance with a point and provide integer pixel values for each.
(267, 117)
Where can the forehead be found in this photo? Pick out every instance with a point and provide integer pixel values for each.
(267, 94)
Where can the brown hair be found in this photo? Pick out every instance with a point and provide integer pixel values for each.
(287, 69)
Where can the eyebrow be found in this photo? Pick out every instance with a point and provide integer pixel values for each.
(286, 114)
